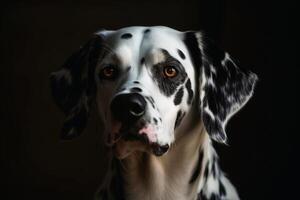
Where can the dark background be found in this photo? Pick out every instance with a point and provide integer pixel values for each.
(37, 36)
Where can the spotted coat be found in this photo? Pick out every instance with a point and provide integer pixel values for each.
(164, 96)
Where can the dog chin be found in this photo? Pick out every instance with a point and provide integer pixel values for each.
(123, 149)
(142, 139)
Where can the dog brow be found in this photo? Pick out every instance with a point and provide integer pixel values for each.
(168, 57)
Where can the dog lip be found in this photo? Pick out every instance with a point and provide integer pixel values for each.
(133, 134)
(128, 136)
(159, 150)
(139, 134)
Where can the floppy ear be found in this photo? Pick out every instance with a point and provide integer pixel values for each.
(224, 88)
(73, 87)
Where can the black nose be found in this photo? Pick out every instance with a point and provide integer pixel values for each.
(128, 107)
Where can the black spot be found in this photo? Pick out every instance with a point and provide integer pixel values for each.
(128, 68)
(222, 189)
(191, 42)
(155, 120)
(214, 197)
(179, 118)
(197, 169)
(188, 86)
(136, 89)
(153, 105)
(146, 31)
(206, 170)
(151, 100)
(160, 119)
(201, 196)
(126, 36)
(181, 54)
(136, 82)
(142, 60)
(168, 85)
(178, 96)
(213, 170)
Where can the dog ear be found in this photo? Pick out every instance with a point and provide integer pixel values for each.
(224, 88)
(73, 87)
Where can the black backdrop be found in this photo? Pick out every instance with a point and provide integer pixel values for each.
(37, 36)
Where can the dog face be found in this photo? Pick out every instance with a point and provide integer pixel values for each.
(146, 81)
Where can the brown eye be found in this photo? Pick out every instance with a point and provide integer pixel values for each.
(109, 72)
(170, 72)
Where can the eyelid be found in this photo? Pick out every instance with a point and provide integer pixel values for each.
(172, 64)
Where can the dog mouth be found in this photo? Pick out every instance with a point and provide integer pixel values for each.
(126, 140)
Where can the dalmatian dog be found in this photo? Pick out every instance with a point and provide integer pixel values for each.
(163, 97)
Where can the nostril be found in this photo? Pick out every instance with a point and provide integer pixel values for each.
(136, 89)
(136, 108)
(128, 107)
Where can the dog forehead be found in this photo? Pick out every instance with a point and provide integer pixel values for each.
(139, 40)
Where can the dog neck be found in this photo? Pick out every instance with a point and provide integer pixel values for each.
(189, 170)
(147, 176)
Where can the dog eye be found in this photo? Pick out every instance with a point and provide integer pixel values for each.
(170, 72)
(109, 72)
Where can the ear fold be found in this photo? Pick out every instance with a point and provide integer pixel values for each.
(224, 88)
(73, 87)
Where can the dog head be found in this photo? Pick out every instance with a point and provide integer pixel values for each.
(146, 82)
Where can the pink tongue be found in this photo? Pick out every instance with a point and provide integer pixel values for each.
(150, 132)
